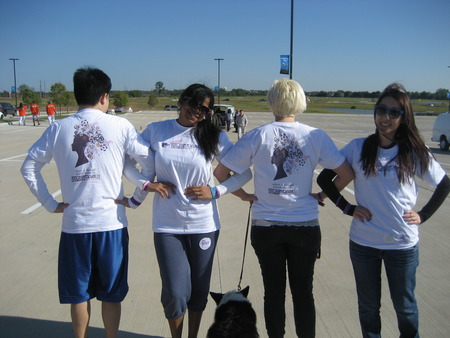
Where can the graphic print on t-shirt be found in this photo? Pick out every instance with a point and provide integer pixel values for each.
(88, 141)
(287, 156)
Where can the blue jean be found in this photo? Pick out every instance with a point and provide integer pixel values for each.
(400, 267)
(296, 248)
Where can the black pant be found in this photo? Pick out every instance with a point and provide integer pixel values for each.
(296, 248)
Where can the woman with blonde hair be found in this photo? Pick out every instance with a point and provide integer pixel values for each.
(285, 226)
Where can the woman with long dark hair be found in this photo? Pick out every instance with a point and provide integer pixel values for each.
(385, 228)
(186, 229)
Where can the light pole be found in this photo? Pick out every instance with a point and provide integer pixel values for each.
(15, 83)
(292, 40)
(218, 79)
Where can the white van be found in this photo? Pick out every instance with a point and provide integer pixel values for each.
(441, 131)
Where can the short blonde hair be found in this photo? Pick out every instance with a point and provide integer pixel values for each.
(286, 98)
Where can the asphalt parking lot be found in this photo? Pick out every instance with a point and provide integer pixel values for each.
(29, 239)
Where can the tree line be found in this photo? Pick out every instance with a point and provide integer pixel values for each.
(64, 99)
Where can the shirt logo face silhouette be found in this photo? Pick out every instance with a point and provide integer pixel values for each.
(88, 142)
(287, 156)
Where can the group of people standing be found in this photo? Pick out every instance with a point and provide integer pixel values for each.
(36, 114)
(93, 150)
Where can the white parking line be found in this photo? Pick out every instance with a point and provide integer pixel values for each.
(11, 158)
(37, 205)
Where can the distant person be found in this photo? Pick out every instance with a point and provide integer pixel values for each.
(385, 228)
(35, 113)
(285, 231)
(229, 118)
(89, 149)
(241, 121)
(22, 113)
(51, 111)
(215, 116)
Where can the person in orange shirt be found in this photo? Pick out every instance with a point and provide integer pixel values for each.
(22, 113)
(35, 113)
(51, 110)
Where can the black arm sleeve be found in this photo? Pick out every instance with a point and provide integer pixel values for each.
(325, 182)
(438, 197)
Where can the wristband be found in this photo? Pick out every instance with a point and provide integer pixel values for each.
(133, 203)
(347, 208)
(145, 185)
(214, 193)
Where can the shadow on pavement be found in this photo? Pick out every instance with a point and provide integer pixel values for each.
(14, 327)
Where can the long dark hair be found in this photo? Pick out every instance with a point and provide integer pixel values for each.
(205, 132)
(412, 150)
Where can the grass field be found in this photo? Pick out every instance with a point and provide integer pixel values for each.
(259, 104)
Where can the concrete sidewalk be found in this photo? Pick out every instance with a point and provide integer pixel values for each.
(29, 305)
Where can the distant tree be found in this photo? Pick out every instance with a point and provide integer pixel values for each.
(425, 95)
(28, 95)
(441, 94)
(159, 87)
(152, 100)
(59, 96)
(339, 93)
(120, 99)
(135, 93)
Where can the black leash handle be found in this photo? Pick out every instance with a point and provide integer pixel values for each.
(245, 247)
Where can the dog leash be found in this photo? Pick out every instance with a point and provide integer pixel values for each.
(245, 247)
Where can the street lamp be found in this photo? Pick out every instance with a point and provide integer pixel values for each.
(15, 83)
(292, 40)
(218, 77)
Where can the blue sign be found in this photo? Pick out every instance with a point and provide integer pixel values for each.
(13, 89)
(448, 95)
(284, 60)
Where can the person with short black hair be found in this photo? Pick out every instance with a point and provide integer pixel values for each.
(89, 149)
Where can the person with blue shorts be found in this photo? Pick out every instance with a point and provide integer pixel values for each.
(89, 149)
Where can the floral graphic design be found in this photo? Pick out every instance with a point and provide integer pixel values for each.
(287, 155)
(88, 142)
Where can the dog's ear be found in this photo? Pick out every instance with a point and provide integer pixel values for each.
(245, 291)
(216, 296)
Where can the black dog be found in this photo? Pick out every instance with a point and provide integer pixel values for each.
(234, 317)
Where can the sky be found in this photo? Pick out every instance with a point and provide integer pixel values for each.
(355, 45)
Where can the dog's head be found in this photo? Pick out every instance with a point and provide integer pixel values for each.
(234, 295)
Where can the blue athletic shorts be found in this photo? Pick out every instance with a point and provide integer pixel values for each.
(93, 265)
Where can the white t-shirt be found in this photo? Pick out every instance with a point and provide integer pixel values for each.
(89, 149)
(284, 156)
(178, 160)
(386, 198)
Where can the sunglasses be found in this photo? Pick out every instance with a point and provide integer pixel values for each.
(201, 109)
(394, 113)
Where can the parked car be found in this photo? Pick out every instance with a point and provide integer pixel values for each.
(119, 109)
(171, 108)
(7, 108)
(441, 131)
